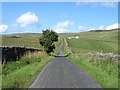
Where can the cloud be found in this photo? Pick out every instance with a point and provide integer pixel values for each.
(61, 30)
(91, 29)
(3, 28)
(64, 24)
(101, 27)
(26, 19)
(96, 4)
(77, 4)
(81, 3)
(113, 26)
(98, 0)
(82, 28)
(109, 4)
(61, 26)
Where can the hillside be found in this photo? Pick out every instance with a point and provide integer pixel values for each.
(106, 42)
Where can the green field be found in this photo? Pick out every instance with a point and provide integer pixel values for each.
(105, 42)
(25, 39)
(22, 35)
(26, 42)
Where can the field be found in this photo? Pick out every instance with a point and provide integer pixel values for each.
(26, 40)
(22, 35)
(103, 42)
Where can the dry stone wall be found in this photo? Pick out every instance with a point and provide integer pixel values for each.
(13, 53)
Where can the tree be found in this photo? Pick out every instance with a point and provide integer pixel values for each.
(47, 40)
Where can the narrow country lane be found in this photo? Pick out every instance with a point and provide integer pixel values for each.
(62, 73)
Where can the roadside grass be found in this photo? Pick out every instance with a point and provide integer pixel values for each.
(105, 72)
(21, 73)
(27, 59)
(66, 48)
(0, 76)
(58, 45)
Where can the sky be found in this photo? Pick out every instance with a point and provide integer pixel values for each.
(62, 17)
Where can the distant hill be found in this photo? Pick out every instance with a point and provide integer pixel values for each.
(104, 30)
(30, 35)
(25, 35)
(13, 37)
(21, 35)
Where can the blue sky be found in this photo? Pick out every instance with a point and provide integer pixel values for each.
(62, 17)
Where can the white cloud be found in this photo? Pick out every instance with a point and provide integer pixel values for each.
(28, 18)
(60, 27)
(77, 4)
(61, 30)
(98, 0)
(113, 26)
(96, 4)
(91, 29)
(82, 3)
(108, 4)
(63, 24)
(3, 28)
(82, 28)
(101, 27)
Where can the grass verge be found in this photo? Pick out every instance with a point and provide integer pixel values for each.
(103, 71)
(0, 76)
(21, 73)
(66, 48)
(58, 45)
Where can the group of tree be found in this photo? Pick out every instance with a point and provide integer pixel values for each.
(47, 40)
